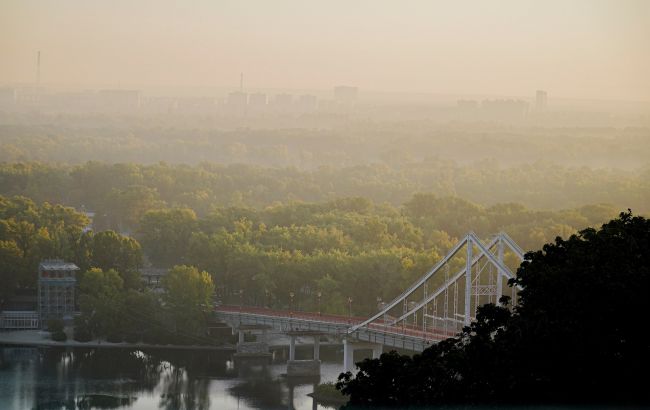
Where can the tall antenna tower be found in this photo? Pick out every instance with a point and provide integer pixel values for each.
(38, 68)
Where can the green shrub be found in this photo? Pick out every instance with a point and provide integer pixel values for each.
(154, 336)
(132, 338)
(55, 325)
(327, 393)
(59, 336)
(81, 334)
(114, 338)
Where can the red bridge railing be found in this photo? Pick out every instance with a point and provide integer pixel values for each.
(379, 326)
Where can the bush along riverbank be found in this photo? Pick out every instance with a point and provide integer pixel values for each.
(327, 394)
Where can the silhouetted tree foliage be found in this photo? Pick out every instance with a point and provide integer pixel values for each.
(578, 335)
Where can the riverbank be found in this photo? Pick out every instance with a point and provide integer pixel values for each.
(327, 395)
(41, 338)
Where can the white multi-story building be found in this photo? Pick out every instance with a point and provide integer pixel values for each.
(56, 289)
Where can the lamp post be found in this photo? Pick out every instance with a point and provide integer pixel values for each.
(350, 309)
(241, 299)
(254, 291)
(291, 295)
(319, 294)
(380, 307)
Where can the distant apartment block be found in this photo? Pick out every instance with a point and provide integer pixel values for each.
(119, 100)
(504, 109)
(257, 103)
(346, 94)
(7, 97)
(257, 99)
(541, 100)
(308, 103)
(237, 99)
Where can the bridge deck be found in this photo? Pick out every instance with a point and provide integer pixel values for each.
(407, 336)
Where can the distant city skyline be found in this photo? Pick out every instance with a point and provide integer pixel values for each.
(579, 49)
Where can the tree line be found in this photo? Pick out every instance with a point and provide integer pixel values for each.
(338, 248)
(120, 193)
(342, 142)
(112, 299)
(178, 315)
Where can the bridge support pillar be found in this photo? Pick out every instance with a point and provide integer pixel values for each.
(348, 356)
(292, 348)
(349, 348)
(301, 368)
(377, 351)
(316, 347)
(258, 348)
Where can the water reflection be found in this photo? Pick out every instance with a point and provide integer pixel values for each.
(183, 392)
(53, 378)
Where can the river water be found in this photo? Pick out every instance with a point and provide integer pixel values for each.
(81, 378)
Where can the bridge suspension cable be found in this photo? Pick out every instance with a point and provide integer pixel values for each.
(479, 255)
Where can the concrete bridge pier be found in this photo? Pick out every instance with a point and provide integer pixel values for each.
(258, 348)
(348, 352)
(303, 367)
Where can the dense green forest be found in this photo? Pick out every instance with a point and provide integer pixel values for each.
(341, 247)
(122, 192)
(340, 142)
(356, 205)
(112, 299)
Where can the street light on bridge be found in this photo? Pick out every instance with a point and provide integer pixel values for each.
(380, 306)
(350, 309)
(291, 295)
(319, 294)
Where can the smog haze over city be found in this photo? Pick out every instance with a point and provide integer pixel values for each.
(577, 49)
(290, 204)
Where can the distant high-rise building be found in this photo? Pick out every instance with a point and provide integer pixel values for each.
(504, 110)
(7, 97)
(119, 100)
(541, 99)
(308, 103)
(257, 103)
(468, 105)
(237, 103)
(237, 99)
(346, 94)
(283, 99)
(283, 104)
(257, 100)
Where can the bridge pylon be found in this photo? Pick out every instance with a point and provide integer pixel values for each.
(470, 275)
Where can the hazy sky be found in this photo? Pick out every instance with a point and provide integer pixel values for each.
(572, 48)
